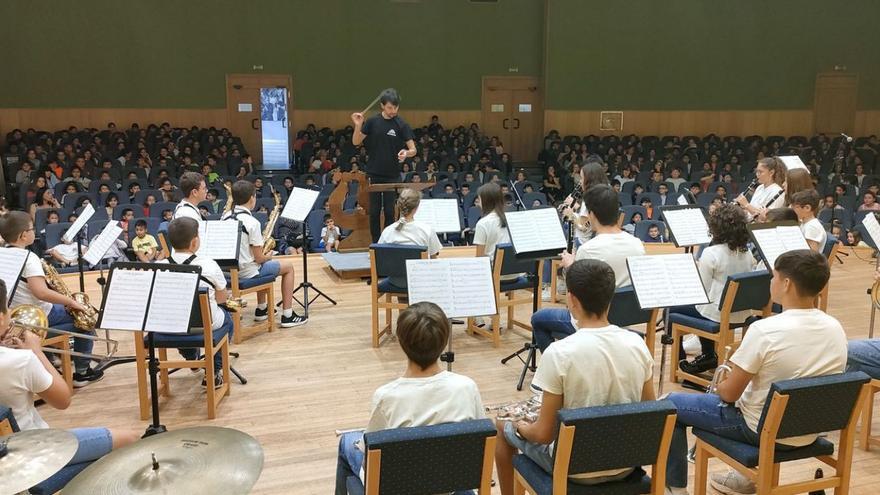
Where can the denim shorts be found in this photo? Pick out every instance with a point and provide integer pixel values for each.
(94, 443)
(270, 268)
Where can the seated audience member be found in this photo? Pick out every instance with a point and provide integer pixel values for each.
(854, 238)
(869, 202)
(330, 235)
(600, 364)
(654, 234)
(252, 263)
(611, 245)
(805, 204)
(425, 395)
(144, 245)
(407, 230)
(800, 342)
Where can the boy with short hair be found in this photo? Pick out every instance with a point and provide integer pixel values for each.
(194, 190)
(127, 217)
(805, 204)
(654, 234)
(425, 394)
(144, 245)
(330, 235)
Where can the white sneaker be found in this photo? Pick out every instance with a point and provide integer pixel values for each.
(692, 346)
(732, 483)
(545, 294)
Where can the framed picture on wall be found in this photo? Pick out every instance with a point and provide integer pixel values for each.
(611, 121)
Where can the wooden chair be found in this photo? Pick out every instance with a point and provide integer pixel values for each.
(444, 458)
(212, 343)
(506, 263)
(388, 281)
(626, 312)
(555, 263)
(62, 343)
(744, 291)
(797, 407)
(865, 438)
(243, 287)
(602, 438)
(830, 251)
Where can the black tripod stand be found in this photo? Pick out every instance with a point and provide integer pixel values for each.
(305, 285)
(530, 363)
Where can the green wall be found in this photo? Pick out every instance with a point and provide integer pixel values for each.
(707, 54)
(341, 53)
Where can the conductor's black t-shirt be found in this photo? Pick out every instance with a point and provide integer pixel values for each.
(385, 138)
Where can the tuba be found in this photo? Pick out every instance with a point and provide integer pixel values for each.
(268, 240)
(84, 320)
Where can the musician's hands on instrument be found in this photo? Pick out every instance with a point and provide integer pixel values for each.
(567, 259)
(357, 118)
(78, 306)
(28, 340)
(742, 201)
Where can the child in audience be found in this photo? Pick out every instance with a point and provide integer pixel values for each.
(630, 227)
(805, 204)
(869, 202)
(654, 234)
(167, 216)
(213, 197)
(330, 235)
(599, 364)
(649, 207)
(125, 219)
(854, 238)
(144, 245)
(425, 395)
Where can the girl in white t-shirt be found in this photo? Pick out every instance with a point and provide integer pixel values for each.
(805, 204)
(491, 229)
(407, 230)
(770, 174)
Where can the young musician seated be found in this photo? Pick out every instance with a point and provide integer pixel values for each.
(407, 230)
(252, 263)
(425, 394)
(491, 229)
(805, 204)
(17, 229)
(728, 254)
(25, 372)
(864, 355)
(183, 235)
(194, 191)
(769, 175)
(600, 364)
(610, 244)
(800, 342)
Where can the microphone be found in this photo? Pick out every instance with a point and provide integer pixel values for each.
(848, 139)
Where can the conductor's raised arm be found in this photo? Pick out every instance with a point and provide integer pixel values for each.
(357, 137)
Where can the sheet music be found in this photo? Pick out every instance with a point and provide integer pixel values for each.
(171, 302)
(219, 239)
(688, 225)
(462, 287)
(99, 246)
(126, 305)
(11, 265)
(776, 241)
(792, 162)
(81, 220)
(871, 225)
(682, 200)
(666, 280)
(299, 204)
(535, 230)
(442, 214)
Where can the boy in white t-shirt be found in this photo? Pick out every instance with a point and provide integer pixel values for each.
(600, 364)
(800, 342)
(425, 394)
(330, 235)
(805, 204)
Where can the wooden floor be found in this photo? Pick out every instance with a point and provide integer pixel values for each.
(306, 382)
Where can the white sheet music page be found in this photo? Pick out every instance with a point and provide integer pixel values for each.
(171, 302)
(792, 237)
(11, 265)
(688, 225)
(126, 304)
(770, 243)
(99, 246)
(873, 228)
(299, 204)
(666, 280)
(218, 239)
(442, 214)
(536, 230)
(462, 287)
(81, 220)
(792, 162)
(430, 280)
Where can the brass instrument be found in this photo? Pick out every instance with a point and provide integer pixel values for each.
(228, 207)
(268, 240)
(84, 320)
(30, 318)
(721, 372)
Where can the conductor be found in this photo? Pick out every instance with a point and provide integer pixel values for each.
(389, 141)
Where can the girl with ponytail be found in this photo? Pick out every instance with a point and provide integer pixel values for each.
(406, 230)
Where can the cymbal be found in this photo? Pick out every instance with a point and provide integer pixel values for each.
(203, 459)
(34, 456)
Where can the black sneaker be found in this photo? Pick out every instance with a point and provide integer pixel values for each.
(293, 320)
(89, 376)
(701, 363)
(218, 380)
(262, 314)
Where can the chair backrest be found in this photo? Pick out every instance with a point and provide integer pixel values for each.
(530, 198)
(474, 213)
(510, 265)
(644, 226)
(629, 211)
(390, 261)
(71, 199)
(815, 404)
(137, 209)
(152, 226)
(160, 206)
(430, 459)
(753, 291)
(625, 310)
(54, 231)
(613, 437)
(830, 242)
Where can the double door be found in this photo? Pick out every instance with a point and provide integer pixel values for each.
(512, 110)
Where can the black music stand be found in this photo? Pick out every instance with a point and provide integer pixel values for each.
(305, 285)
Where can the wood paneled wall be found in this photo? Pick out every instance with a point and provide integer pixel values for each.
(53, 119)
(337, 119)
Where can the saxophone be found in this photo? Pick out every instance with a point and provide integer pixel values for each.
(269, 241)
(83, 320)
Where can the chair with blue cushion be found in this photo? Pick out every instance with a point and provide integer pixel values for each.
(388, 281)
(829, 250)
(506, 264)
(743, 291)
(604, 438)
(803, 406)
(625, 312)
(641, 230)
(211, 342)
(450, 457)
(240, 287)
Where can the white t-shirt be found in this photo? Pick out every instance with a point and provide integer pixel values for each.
(814, 231)
(185, 209)
(583, 235)
(763, 194)
(412, 233)
(489, 233)
(23, 295)
(797, 343)
(333, 234)
(253, 236)
(716, 264)
(21, 376)
(613, 249)
(443, 398)
(211, 271)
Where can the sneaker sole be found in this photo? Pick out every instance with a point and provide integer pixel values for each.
(261, 318)
(77, 384)
(726, 490)
(294, 324)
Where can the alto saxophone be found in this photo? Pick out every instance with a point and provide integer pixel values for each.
(268, 240)
(83, 320)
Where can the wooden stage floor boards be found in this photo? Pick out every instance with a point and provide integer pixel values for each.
(305, 382)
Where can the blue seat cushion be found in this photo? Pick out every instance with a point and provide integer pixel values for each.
(522, 282)
(636, 483)
(186, 340)
(747, 454)
(247, 283)
(703, 324)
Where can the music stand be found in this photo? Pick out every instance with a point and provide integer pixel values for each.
(775, 238)
(76, 232)
(12, 263)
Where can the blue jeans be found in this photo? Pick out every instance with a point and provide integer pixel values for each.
(551, 324)
(706, 412)
(94, 443)
(864, 355)
(60, 319)
(192, 353)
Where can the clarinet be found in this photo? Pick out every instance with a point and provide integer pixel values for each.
(770, 202)
(575, 195)
(750, 189)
